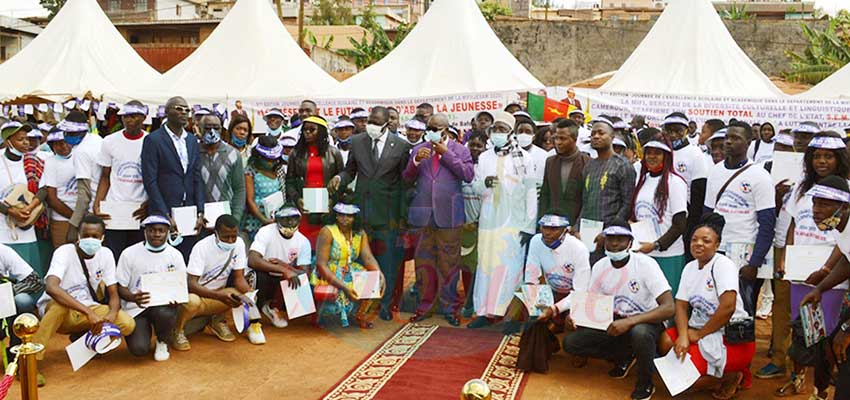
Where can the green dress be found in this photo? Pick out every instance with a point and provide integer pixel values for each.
(263, 187)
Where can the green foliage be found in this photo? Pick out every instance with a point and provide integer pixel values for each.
(491, 9)
(366, 52)
(52, 5)
(313, 41)
(332, 12)
(827, 52)
(736, 12)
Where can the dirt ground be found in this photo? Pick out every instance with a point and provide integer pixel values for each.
(298, 362)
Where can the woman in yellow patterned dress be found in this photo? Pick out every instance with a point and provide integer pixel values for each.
(338, 248)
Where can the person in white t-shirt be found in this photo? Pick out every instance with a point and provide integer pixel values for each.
(152, 256)
(642, 301)
(279, 253)
(706, 302)
(61, 182)
(73, 301)
(583, 133)
(747, 202)
(689, 163)
(557, 258)
(524, 130)
(831, 211)
(214, 261)
(761, 149)
(661, 198)
(26, 284)
(120, 161)
(86, 149)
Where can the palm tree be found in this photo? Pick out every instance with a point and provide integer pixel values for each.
(827, 52)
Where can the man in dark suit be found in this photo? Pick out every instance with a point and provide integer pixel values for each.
(439, 166)
(377, 159)
(171, 170)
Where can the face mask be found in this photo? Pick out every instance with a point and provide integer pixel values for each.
(175, 239)
(658, 168)
(90, 246)
(45, 147)
(499, 139)
(344, 142)
(374, 131)
(433, 136)
(617, 255)
(73, 140)
(265, 164)
(831, 222)
(287, 231)
(213, 136)
(557, 243)
(157, 249)
(524, 140)
(275, 132)
(66, 157)
(238, 142)
(15, 151)
(223, 245)
(285, 158)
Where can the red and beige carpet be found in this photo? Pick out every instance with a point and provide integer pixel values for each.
(430, 362)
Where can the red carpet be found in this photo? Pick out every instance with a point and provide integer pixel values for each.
(433, 363)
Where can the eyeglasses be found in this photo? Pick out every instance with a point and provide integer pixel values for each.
(181, 109)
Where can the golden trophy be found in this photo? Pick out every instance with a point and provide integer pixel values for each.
(475, 389)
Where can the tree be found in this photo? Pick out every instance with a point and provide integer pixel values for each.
(52, 5)
(366, 52)
(491, 10)
(736, 12)
(828, 50)
(332, 12)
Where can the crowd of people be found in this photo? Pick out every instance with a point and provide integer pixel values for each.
(481, 212)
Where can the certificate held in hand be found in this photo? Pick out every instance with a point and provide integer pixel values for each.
(165, 288)
(120, 215)
(367, 284)
(591, 310)
(315, 200)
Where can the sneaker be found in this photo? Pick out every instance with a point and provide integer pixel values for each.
(219, 327)
(621, 370)
(643, 391)
(161, 351)
(277, 318)
(479, 322)
(180, 343)
(764, 311)
(255, 334)
(39, 379)
(770, 371)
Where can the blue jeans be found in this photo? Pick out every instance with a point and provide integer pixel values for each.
(24, 303)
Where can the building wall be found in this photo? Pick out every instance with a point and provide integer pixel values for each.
(175, 9)
(565, 52)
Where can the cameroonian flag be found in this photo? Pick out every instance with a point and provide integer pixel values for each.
(544, 109)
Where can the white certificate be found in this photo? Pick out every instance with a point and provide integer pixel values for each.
(367, 284)
(299, 302)
(592, 310)
(7, 300)
(315, 200)
(185, 218)
(645, 231)
(120, 215)
(678, 375)
(165, 288)
(214, 210)
(589, 230)
(272, 203)
(786, 166)
(801, 261)
(79, 354)
(535, 295)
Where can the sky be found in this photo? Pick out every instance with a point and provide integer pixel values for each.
(21, 8)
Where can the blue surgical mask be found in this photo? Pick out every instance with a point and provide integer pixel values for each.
(285, 158)
(433, 136)
(617, 255)
(499, 139)
(224, 245)
(175, 240)
(557, 243)
(275, 132)
(74, 140)
(346, 141)
(155, 249)
(90, 246)
(15, 151)
(44, 147)
(212, 136)
(238, 142)
(67, 157)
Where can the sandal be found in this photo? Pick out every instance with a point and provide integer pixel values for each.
(728, 388)
(364, 324)
(793, 387)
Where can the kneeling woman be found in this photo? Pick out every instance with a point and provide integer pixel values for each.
(709, 294)
(337, 249)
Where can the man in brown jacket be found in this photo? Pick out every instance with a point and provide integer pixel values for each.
(562, 177)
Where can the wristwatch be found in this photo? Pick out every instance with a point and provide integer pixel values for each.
(845, 327)
(656, 246)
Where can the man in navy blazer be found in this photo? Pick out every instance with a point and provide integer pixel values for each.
(439, 166)
(171, 170)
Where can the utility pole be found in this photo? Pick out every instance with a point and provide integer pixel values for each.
(301, 23)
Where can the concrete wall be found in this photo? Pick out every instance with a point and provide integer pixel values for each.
(559, 53)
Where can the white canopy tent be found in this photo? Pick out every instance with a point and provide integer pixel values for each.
(689, 51)
(79, 52)
(250, 55)
(452, 50)
(835, 86)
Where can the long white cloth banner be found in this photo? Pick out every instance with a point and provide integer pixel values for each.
(781, 112)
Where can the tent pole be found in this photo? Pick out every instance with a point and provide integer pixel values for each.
(301, 23)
